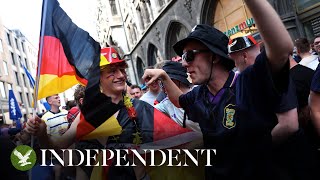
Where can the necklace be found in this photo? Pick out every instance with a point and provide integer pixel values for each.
(133, 116)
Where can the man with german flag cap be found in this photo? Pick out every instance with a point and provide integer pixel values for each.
(118, 122)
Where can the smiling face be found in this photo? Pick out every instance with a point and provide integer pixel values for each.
(113, 78)
(199, 67)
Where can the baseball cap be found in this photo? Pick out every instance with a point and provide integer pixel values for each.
(176, 71)
(215, 40)
(241, 43)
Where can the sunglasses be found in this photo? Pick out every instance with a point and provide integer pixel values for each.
(189, 56)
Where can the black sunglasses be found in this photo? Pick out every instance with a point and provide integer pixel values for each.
(188, 56)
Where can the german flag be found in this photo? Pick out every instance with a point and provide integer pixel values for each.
(68, 52)
(155, 128)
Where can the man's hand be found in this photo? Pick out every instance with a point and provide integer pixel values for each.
(152, 75)
(36, 126)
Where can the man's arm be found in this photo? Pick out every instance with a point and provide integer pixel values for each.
(287, 125)
(37, 127)
(315, 110)
(173, 92)
(277, 41)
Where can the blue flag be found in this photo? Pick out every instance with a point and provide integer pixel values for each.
(14, 110)
(31, 79)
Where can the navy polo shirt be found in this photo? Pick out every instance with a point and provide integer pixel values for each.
(315, 84)
(239, 125)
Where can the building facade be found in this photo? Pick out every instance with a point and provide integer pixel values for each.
(152, 27)
(15, 52)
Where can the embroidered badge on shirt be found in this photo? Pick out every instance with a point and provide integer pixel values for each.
(228, 117)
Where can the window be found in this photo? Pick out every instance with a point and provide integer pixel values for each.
(302, 5)
(2, 91)
(21, 99)
(17, 78)
(113, 6)
(1, 47)
(24, 80)
(9, 86)
(12, 58)
(153, 55)
(176, 32)
(16, 40)
(28, 99)
(8, 39)
(161, 3)
(23, 47)
(140, 67)
(19, 58)
(5, 67)
(26, 63)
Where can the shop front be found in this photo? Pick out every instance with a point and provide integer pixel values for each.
(234, 19)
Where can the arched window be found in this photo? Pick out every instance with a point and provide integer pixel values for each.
(177, 31)
(153, 55)
(140, 67)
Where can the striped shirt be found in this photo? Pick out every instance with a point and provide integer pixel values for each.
(57, 123)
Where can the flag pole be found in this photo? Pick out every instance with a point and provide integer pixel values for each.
(43, 22)
(36, 87)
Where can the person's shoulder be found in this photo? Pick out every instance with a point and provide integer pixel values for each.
(196, 88)
(63, 111)
(46, 115)
(304, 68)
(145, 95)
(74, 109)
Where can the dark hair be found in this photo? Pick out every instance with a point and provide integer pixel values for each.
(70, 104)
(47, 98)
(315, 38)
(79, 93)
(135, 86)
(302, 45)
(128, 83)
(226, 63)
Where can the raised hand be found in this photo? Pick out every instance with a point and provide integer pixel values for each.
(36, 126)
(152, 75)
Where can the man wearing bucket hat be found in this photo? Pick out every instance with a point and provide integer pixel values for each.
(235, 114)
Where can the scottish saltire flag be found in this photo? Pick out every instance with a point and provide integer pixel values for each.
(31, 79)
(68, 54)
(14, 110)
